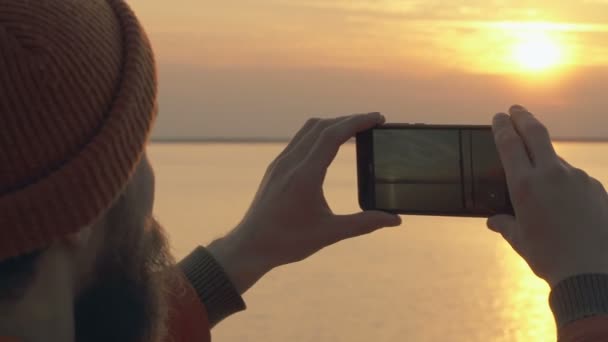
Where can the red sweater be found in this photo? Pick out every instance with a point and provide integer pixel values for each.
(189, 322)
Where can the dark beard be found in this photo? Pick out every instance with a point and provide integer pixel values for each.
(126, 299)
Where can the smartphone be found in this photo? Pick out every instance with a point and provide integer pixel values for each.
(431, 170)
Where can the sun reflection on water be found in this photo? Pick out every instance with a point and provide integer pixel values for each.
(526, 301)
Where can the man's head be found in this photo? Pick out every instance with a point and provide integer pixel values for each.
(77, 101)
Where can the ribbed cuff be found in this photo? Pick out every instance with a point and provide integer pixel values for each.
(212, 285)
(579, 297)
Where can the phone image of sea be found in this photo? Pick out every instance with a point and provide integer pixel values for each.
(438, 170)
(417, 169)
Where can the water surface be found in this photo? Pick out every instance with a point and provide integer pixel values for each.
(432, 279)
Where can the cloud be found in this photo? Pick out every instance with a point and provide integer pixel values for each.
(589, 11)
(419, 10)
(430, 35)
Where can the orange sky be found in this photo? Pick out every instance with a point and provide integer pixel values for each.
(260, 68)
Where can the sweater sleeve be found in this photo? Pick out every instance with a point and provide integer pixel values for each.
(580, 307)
(214, 288)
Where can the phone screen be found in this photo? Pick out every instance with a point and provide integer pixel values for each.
(441, 170)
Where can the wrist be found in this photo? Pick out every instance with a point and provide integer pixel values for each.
(598, 266)
(579, 297)
(242, 263)
(213, 286)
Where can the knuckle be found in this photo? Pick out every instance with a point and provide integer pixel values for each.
(298, 172)
(321, 125)
(500, 120)
(580, 175)
(598, 184)
(316, 122)
(271, 166)
(296, 177)
(317, 125)
(278, 166)
(312, 122)
(328, 135)
(535, 128)
(522, 188)
(554, 172)
(505, 139)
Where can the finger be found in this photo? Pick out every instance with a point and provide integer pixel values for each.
(297, 138)
(511, 148)
(505, 225)
(565, 162)
(534, 134)
(348, 226)
(327, 145)
(304, 145)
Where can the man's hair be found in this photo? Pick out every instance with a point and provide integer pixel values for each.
(16, 274)
(134, 274)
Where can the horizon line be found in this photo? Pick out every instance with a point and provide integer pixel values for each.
(270, 140)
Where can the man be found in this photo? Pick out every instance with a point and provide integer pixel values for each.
(82, 259)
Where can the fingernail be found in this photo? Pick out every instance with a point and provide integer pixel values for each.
(396, 221)
(491, 224)
(501, 116)
(518, 108)
(379, 117)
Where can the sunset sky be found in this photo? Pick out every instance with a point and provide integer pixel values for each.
(260, 68)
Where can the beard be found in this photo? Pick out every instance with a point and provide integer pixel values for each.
(127, 295)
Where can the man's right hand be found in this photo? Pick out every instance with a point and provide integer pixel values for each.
(561, 214)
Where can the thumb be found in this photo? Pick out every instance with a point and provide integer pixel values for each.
(348, 226)
(505, 225)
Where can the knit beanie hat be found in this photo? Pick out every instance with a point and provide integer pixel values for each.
(77, 101)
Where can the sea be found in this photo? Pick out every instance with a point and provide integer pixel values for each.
(431, 279)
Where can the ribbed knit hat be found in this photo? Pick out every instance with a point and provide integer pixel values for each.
(77, 101)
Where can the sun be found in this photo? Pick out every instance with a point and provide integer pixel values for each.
(536, 52)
